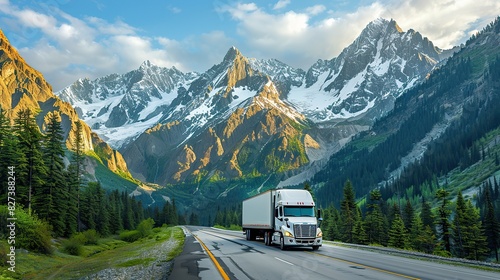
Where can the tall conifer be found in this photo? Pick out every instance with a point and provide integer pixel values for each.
(31, 169)
(348, 212)
(54, 195)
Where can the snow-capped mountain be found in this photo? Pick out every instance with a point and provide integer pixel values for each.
(229, 122)
(247, 115)
(368, 75)
(121, 107)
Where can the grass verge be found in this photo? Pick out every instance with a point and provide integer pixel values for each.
(162, 244)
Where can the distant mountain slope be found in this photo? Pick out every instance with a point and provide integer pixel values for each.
(23, 87)
(435, 129)
(121, 107)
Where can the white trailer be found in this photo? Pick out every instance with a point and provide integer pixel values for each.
(282, 216)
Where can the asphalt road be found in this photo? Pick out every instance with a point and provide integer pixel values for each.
(227, 255)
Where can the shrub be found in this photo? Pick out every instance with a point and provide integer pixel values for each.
(130, 235)
(32, 233)
(145, 227)
(72, 246)
(3, 254)
(91, 237)
(79, 237)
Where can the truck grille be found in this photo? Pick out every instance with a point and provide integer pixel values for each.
(304, 231)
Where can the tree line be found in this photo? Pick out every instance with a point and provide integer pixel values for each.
(452, 229)
(52, 192)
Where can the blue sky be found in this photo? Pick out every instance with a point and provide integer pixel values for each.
(71, 39)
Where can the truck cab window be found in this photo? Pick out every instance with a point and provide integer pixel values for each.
(299, 211)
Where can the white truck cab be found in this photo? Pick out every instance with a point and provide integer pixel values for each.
(283, 216)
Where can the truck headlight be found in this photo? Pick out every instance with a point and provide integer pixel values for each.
(288, 234)
(319, 233)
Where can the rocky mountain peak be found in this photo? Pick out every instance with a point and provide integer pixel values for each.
(22, 87)
(369, 74)
(232, 54)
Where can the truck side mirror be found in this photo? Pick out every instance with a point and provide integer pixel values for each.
(319, 213)
(286, 220)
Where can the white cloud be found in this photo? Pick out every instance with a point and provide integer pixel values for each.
(315, 10)
(446, 24)
(71, 47)
(281, 4)
(297, 39)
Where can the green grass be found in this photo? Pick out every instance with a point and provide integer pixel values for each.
(109, 253)
(179, 236)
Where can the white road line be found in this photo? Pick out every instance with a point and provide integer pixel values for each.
(283, 261)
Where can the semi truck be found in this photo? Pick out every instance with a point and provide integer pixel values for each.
(284, 217)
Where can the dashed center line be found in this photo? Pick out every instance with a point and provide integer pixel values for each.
(289, 263)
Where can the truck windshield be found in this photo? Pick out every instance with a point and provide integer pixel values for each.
(299, 211)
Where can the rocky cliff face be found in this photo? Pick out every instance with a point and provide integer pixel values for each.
(22, 87)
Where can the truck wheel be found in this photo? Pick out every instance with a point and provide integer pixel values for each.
(315, 248)
(253, 234)
(267, 238)
(282, 243)
(247, 234)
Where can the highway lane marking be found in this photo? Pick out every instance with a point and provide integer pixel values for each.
(230, 240)
(216, 263)
(283, 261)
(366, 266)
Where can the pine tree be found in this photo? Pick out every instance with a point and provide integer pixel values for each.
(415, 232)
(54, 193)
(475, 243)
(31, 168)
(348, 212)
(333, 232)
(443, 216)
(102, 213)
(174, 218)
(374, 221)
(193, 219)
(76, 169)
(491, 225)
(72, 205)
(408, 215)
(128, 213)
(459, 226)
(426, 216)
(359, 234)
(8, 154)
(398, 236)
(114, 210)
(89, 206)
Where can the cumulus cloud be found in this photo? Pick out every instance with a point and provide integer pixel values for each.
(297, 38)
(281, 4)
(66, 48)
(446, 23)
(72, 48)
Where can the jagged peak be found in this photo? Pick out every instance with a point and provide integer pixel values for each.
(393, 24)
(232, 54)
(383, 24)
(146, 64)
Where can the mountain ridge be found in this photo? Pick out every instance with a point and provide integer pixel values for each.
(330, 102)
(23, 87)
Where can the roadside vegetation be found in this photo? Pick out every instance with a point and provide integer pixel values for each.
(86, 253)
